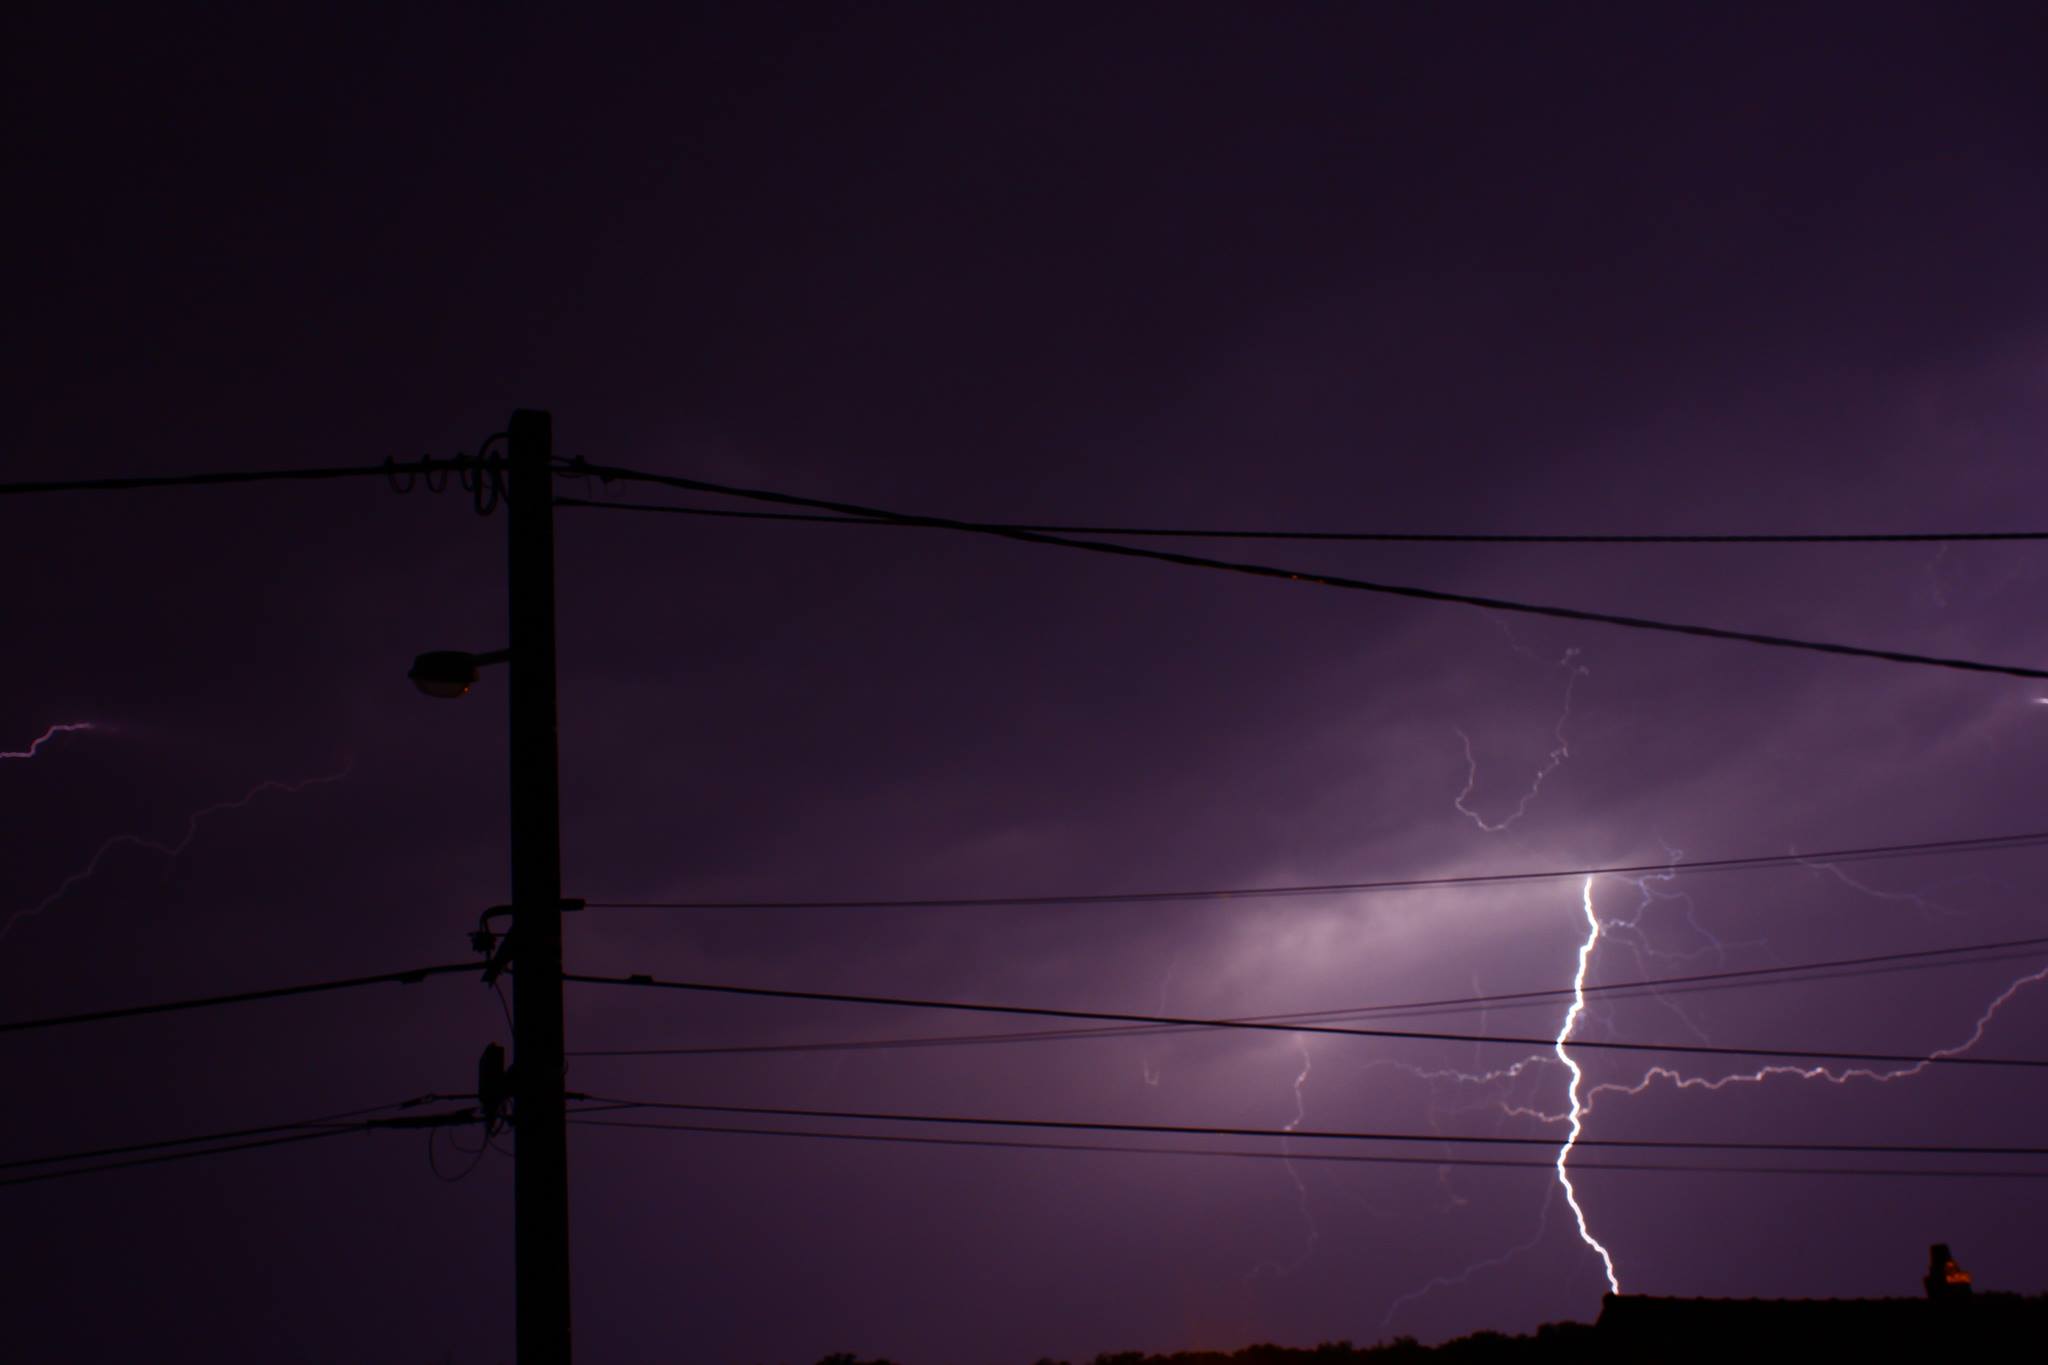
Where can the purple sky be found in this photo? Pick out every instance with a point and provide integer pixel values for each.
(1478, 268)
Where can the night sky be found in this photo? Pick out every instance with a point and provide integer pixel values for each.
(1457, 268)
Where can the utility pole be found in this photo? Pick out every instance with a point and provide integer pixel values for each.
(540, 1172)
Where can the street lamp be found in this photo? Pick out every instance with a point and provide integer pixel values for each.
(450, 673)
(540, 1158)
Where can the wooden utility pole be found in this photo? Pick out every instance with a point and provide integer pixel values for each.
(540, 1179)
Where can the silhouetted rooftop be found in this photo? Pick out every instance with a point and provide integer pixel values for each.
(1987, 1326)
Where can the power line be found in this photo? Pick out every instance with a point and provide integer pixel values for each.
(1799, 973)
(219, 478)
(159, 1144)
(1307, 576)
(1398, 1035)
(1371, 537)
(406, 977)
(1330, 1135)
(1996, 843)
(311, 1132)
(164, 1158)
(1345, 1158)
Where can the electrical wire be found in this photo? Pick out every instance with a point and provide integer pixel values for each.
(1396, 1035)
(409, 976)
(1927, 959)
(1377, 537)
(220, 478)
(131, 1148)
(476, 1158)
(1306, 576)
(1992, 843)
(1548, 1168)
(166, 1157)
(1334, 1135)
(309, 1132)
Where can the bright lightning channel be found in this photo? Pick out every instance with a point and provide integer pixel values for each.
(1564, 1033)
(1583, 1099)
(1574, 1116)
(46, 736)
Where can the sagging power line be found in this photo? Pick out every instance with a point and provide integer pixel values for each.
(407, 977)
(1548, 1169)
(1993, 843)
(426, 466)
(1271, 571)
(162, 1151)
(430, 466)
(1365, 537)
(608, 1103)
(1337, 1030)
(1925, 959)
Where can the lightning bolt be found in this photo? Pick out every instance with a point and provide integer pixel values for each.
(1574, 1117)
(1837, 1075)
(167, 850)
(1560, 750)
(1423, 1291)
(1151, 1067)
(46, 736)
(1829, 1074)
(1300, 1116)
(1578, 1111)
(1300, 1187)
(1656, 891)
(1582, 1099)
(1653, 891)
(1935, 591)
(1934, 909)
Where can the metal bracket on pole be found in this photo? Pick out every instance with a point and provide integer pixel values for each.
(493, 1085)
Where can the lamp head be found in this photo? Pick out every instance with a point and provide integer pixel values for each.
(444, 673)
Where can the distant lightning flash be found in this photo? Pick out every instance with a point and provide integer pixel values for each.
(1150, 1067)
(1423, 1291)
(1300, 1116)
(1933, 908)
(170, 850)
(1654, 891)
(1300, 1187)
(1561, 750)
(1578, 1114)
(46, 736)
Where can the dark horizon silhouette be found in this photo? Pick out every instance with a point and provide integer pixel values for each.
(1949, 1320)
